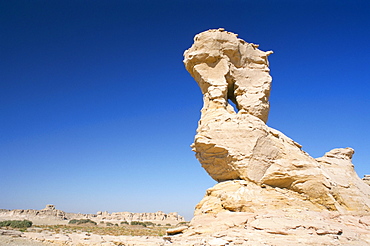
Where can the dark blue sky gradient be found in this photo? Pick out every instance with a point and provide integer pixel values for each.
(98, 111)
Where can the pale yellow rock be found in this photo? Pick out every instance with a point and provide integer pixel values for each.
(218, 242)
(246, 196)
(240, 146)
(228, 68)
(282, 228)
(351, 192)
(366, 179)
(176, 230)
(270, 191)
(52, 216)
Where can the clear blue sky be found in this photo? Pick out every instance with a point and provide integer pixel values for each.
(97, 111)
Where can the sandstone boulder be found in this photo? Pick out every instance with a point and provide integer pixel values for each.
(176, 230)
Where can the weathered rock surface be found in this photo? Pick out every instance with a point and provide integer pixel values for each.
(159, 216)
(48, 215)
(282, 228)
(51, 215)
(313, 228)
(366, 179)
(11, 233)
(173, 231)
(228, 68)
(239, 145)
(260, 170)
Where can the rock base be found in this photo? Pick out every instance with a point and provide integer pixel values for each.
(283, 228)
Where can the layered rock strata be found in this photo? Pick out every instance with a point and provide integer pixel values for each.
(259, 168)
(51, 215)
(48, 213)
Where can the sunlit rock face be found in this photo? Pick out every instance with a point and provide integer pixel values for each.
(237, 145)
(366, 179)
(228, 68)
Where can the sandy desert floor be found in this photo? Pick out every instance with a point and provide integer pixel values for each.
(12, 241)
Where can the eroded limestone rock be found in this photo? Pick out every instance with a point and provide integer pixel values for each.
(228, 68)
(366, 179)
(51, 215)
(264, 169)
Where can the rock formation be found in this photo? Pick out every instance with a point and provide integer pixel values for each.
(157, 217)
(51, 215)
(260, 170)
(49, 212)
(366, 179)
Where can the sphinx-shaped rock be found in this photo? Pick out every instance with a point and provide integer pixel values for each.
(257, 161)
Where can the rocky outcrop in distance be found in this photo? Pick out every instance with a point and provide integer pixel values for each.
(264, 176)
(51, 215)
